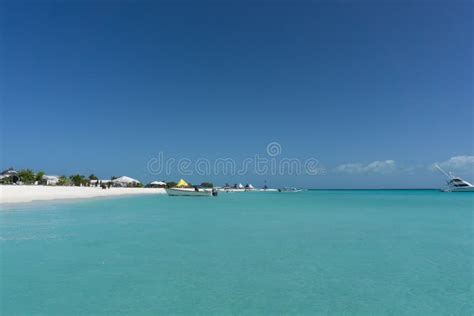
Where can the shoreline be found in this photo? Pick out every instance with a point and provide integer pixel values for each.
(13, 194)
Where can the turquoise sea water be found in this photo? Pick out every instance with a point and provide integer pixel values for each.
(315, 252)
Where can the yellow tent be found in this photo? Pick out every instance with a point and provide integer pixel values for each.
(182, 184)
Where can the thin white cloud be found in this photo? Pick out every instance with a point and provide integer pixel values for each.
(457, 163)
(412, 170)
(379, 166)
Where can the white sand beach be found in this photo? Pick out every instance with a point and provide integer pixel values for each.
(29, 193)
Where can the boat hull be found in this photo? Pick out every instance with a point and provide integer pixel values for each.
(461, 189)
(289, 190)
(187, 192)
(293, 191)
(231, 190)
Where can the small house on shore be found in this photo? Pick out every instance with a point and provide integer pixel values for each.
(125, 181)
(50, 180)
(9, 176)
(156, 184)
(99, 182)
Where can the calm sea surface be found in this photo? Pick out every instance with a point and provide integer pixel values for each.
(315, 252)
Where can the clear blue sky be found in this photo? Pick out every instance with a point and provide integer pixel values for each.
(103, 87)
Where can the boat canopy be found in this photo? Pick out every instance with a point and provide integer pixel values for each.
(182, 184)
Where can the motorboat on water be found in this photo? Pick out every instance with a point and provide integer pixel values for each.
(267, 189)
(290, 190)
(183, 189)
(455, 184)
(231, 190)
(235, 188)
(190, 192)
(247, 188)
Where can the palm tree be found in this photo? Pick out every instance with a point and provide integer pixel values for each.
(27, 176)
(39, 176)
(77, 179)
(63, 180)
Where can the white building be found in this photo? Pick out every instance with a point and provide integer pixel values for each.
(157, 184)
(9, 174)
(93, 182)
(249, 187)
(125, 181)
(50, 180)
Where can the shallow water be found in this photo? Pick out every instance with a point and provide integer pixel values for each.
(316, 252)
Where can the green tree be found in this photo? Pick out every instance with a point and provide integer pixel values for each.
(63, 180)
(171, 184)
(113, 177)
(39, 176)
(26, 176)
(77, 179)
(93, 177)
(6, 180)
(207, 185)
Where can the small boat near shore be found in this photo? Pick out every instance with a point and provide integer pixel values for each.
(236, 188)
(230, 190)
(182, 188)
(240, 188)
(267, 189)
(190, 192)
(292, 190)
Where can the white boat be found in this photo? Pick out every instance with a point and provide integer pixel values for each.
(189, 192)
(231, 190)
(235, 188)
(456, 184)
(182, 188)
(293, 190)
(267, 189)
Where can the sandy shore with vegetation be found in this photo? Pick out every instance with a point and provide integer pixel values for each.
(29, 193)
